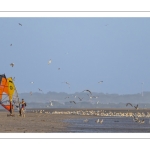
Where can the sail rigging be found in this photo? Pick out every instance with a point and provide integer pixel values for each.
(8, 93)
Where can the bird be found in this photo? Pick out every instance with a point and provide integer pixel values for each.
(12, 64)
(101, 121)
(40, 90)
(97, 121)
(142, 121)
(73, 102)
(32, 82)
(97, 102)
(136, 107)
(86, 120)
(49, 62)
(10, 44)
(66, 97)
(58, 68)
(66, 83)
(80, 98)
(100, 81)
(51, 104)
(88, 91)
(20, 24)
(129, 104)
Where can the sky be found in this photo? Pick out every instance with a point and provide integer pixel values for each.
(87, 50)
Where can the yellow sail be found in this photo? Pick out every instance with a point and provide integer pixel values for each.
(11, 88)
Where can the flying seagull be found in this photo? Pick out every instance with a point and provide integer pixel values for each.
(73, 102)
(100, 81)
(40, 90)
(88, 91)
(66, 97)
(12, 64)
(32, 82)
(80, 98)
(20, 24)
(129, 104)
(136, 107)
(10, 44)
(49, 62)
(66, 83)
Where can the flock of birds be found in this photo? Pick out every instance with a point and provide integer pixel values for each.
(135, 117)
(89, 93)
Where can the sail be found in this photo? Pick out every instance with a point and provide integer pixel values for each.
(8, 93)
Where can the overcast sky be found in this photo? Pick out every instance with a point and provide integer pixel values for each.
(87, 50)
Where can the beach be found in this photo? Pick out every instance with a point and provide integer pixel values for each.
(35, 123)
(73, 120)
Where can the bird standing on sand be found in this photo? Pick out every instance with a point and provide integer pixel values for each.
(86, 120)
(12, 64)
(101, 121)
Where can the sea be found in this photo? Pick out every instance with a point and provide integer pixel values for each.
(109, 125)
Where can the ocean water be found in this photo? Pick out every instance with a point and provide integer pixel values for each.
(109, 125)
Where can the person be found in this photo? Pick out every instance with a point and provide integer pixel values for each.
(23, 105)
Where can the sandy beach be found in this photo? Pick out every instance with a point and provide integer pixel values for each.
(35, 123)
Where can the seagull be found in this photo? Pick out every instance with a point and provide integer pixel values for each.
(101, 121)
(51, 104)
(86, 120)
(49, 62)
(10, 44)
(20, 24)
(32, 82)
(73, 102)
(97, 102)
(143, 121)
(40, 90)
(12, 64)
(129, 104)
(58, 68)
(88, 91)
(100, 81)
(80, 98)
(97, 121)
(136, 107)
(66, 97)
(66, 83)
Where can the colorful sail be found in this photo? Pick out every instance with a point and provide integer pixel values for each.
(8, 93)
